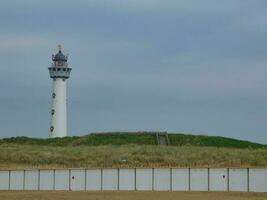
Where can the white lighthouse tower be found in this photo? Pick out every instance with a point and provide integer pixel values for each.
(59, 72)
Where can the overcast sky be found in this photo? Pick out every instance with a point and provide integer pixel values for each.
(179, 66)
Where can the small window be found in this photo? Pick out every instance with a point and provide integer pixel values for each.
(64, 69)
(52, 112)
(51, 128)
(58, 69)
(54, 95)
(54, 69)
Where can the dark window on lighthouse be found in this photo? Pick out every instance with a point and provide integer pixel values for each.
(54, 95)
(52, 112)
(51, 128)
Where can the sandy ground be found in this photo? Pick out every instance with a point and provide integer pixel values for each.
(7, 195)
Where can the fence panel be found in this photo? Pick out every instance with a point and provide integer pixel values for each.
(93, 179)
(31, 180)
(110, 179)
(126, 179)
(17, 180)
(218, 180)
(180, 179)
(258, 180)
(46, 179)
(77, 179)
(62, 178)
(199, 179)
(4, 180)
(162, 179)
(144, 179)
(238, 180)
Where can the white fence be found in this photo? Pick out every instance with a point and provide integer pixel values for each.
(162, 179)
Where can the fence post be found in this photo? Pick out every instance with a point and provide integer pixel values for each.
(101, 179)
(189, 179)
(85, 179)
(152, 179)
(170, 179)
(118, 184)
(69, 179)
(38, 179)
(228, 180)
(24, 179)
(248, 179)
(54, 179)
(9, 179)
(135, 179)
(208, 179)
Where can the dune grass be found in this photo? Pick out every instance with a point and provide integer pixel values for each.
(127, 149)
(14, 156)
(211, 141)
(140, 138)
(116, 138)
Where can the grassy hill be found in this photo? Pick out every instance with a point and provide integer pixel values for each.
(130, 150)
(140, 138)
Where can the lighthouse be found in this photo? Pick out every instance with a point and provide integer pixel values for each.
(59, 73)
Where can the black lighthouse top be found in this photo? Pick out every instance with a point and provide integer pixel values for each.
(59, 68)
(60, 59)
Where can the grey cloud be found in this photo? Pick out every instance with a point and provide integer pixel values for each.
(137, 65)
